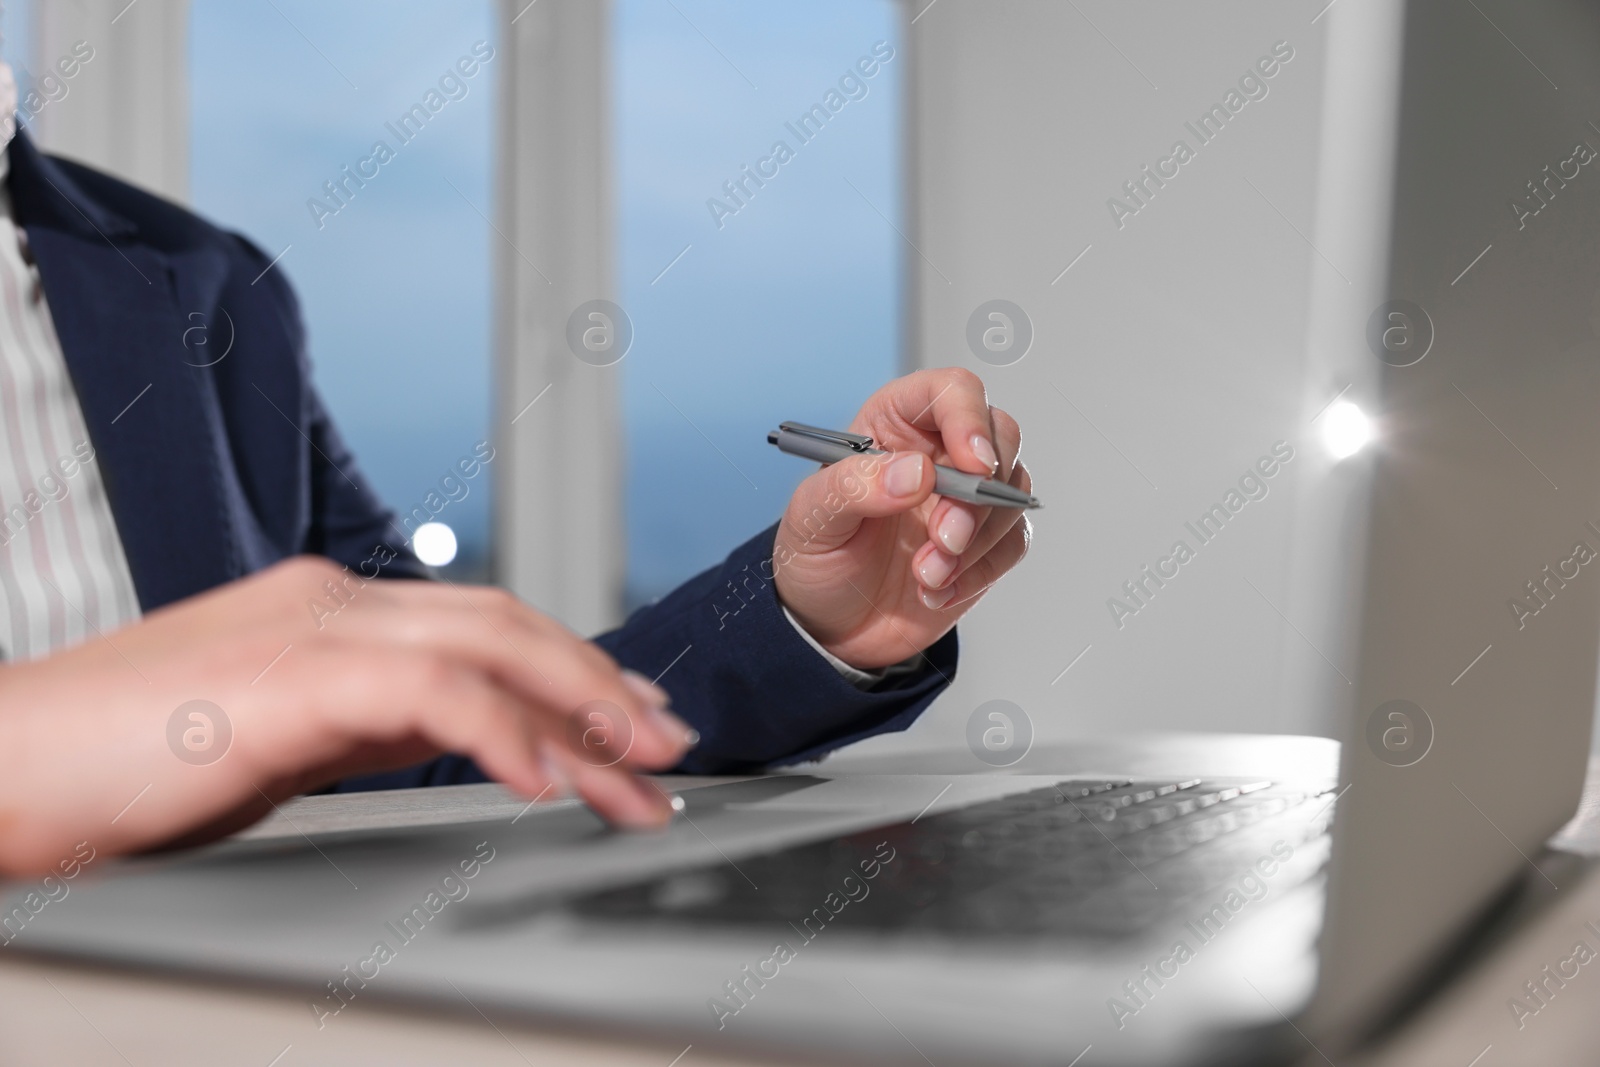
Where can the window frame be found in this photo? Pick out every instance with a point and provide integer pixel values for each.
(558, 522)
(130, 110)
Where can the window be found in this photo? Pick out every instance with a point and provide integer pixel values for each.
(753, 300)
(16, 42)
(386, 247)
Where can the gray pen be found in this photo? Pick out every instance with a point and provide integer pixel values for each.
(830, 446)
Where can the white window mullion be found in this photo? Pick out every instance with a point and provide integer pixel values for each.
(126, 109)
(558, 523)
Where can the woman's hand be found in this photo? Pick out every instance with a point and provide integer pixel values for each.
(97, 750)
(873, 565)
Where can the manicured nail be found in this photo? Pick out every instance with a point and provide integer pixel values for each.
(556, 774)
(956, 530)
(663, 805)
(934, 599)
(935, 571)
(904, 476)
(985, 452)
(648, 692)
(673, 726)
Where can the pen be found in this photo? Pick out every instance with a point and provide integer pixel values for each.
(830, 446)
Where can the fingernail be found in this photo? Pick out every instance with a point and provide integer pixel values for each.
(985, 452)
(956, 530)
(904, 476)
(663, 806)
(935, 571)
(934, 599)
(553, 771)
(647, 691)
(673, 726)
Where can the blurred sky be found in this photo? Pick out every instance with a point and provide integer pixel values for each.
(16, 35)
(790, 311)
(395, 287)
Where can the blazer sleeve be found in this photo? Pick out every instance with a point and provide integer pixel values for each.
(740, 674)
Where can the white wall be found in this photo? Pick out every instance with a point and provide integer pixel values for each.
(1165, 362)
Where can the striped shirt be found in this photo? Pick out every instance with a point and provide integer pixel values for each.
(63, 575)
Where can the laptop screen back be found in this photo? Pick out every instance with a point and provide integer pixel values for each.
(1460, 194)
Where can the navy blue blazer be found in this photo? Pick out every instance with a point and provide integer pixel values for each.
(215, 472)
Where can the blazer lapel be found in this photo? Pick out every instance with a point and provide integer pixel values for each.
(150, 415)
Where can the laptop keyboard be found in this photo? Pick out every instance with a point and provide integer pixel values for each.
(1083, 859)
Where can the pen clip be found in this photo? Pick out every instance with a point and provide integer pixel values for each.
(853, 441)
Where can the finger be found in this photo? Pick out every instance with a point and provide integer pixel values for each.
(828, 507)
(614, 794)
(1008, 439)
(952, 524)
(369, 758)
(936, 569)
(386, 700)
(995, 523)
(490, 629)
(950, 403)
(553, 669)
(977, 578)
(935, 565)
(379, 704)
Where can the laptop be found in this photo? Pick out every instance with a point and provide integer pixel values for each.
(1101, 914)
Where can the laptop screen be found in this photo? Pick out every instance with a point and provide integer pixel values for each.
(1459, 193)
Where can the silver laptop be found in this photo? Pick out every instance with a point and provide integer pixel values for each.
(1114, 916)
